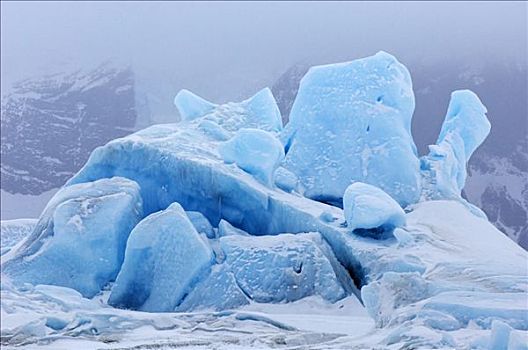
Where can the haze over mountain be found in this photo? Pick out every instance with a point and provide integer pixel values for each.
(224, 50)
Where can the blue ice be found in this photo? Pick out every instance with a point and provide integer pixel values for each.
(465, 127)
(352, 122)
(255, 151)
(259, 111)
(164, 256)
(270, 269)
(79, 240)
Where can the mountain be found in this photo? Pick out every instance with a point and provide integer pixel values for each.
(499, 186)
(51, 124)
(498, 171)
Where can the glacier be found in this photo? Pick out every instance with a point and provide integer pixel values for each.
(226, 223)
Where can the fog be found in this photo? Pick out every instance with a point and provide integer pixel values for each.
(224, 50)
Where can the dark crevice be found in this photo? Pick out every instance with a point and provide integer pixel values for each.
(358, 277)
(378, 233)
(333, 201)
(247, 295)
(289, 143)
(298, 269)
(349, 270)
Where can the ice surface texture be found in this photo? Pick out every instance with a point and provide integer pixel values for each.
(79, 241)
(352, 122)
(201, 224)
(270, 269)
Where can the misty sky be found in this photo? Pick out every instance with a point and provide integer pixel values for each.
(220, 50)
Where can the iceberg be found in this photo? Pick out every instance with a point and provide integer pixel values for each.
(465, 127)
(164, 256)
(79, 241)
(178, 163)
(367, 207)
(180, 217)
(351, 122)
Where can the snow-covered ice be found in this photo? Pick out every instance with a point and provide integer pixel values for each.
(368, 207)
(451, 303)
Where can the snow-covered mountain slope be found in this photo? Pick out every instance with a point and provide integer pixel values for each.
(207, 218)
(500, 187)
(51, 124)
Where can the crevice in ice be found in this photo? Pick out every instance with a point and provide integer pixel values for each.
(289, 143)
(378, 233)
(200, 277)
(348, 269)
(357, 275)
(246, 294)
(298, 269)
(333, 201)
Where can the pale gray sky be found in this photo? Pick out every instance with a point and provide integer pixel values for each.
(219, 50)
